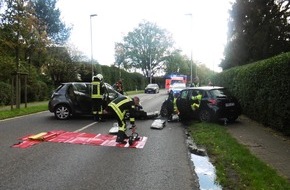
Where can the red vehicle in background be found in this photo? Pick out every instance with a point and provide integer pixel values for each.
(170, 80)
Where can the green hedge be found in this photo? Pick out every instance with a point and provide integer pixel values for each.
(263, 89)
(5, 93)
(131, 81)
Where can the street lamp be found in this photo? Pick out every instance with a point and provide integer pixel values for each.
(191, 62)
(92, 15)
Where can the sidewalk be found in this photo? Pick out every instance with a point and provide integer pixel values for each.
(268, 145)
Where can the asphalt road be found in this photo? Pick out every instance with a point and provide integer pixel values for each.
(164, 162)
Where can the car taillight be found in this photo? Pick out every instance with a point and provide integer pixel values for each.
(212, 101)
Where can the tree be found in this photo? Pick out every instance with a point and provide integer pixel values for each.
(145, 48)
(257, 30)
(49, 17)
(177, 63)
(19, 29)
(60, 67)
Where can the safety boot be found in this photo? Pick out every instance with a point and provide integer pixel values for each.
(121, 137)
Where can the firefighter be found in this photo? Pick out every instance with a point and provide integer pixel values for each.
(98, 91)
(196, 101)
(120, 107)
(173, 110)
(195, 82)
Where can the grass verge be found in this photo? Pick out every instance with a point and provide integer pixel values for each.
(236, 167)
(6, 112)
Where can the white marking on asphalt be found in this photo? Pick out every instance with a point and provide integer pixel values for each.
(85, 127)
(16, 117)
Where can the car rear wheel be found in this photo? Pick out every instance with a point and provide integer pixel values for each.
(62, 112)
(204, 115)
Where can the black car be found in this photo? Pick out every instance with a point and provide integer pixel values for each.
(74, 98)
(216, 104)
(152, 88)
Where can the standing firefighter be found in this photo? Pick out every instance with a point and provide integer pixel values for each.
(98, 90)
(195, 82)
(120, 107)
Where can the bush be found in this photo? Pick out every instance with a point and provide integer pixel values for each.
(5, 93)
(263, 89)
(37, 91)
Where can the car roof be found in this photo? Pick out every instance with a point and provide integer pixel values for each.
(80, 83)
(206, 87)
(76, 83)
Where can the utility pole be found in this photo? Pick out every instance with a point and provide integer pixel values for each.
(92, 15)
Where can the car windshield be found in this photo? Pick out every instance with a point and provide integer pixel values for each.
(152, 85)
(175, 82)
(178, 85)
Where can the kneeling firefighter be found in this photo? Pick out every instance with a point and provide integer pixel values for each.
(120, 107)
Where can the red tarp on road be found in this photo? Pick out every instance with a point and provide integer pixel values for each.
(76, 138)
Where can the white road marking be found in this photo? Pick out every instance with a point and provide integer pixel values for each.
(85, 127)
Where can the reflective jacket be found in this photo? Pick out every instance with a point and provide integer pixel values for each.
(195, 106)
(175, 105)
(98, 89)
(121, 106)
(197, 97)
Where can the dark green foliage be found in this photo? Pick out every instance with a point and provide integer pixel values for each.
(5, 93)
(145, 48)
(263, 89)
(7, 67)
(131, 81)
(49, 17)
(37, 91)
(257, 30)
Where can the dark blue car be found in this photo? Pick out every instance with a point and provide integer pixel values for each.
(216, 104)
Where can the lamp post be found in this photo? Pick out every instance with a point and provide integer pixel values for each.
(92, 15)
(150, 71)
(191, 62)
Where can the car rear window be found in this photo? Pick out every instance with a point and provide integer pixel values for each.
(58, 88)
(219, 93)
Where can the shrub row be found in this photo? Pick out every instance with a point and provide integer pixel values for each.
(41, 89)
(263, 89)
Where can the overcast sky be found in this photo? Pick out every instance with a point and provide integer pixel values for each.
(115, 18)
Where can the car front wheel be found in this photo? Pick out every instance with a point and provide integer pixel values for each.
(62, 112)
(204, 115)
(164, 111)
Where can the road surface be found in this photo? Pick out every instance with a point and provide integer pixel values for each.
(164, 162)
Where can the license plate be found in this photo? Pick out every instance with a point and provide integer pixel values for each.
(230, 104)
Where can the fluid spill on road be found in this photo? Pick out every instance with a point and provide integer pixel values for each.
(205, 172)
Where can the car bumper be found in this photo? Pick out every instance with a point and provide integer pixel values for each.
(150, 90)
